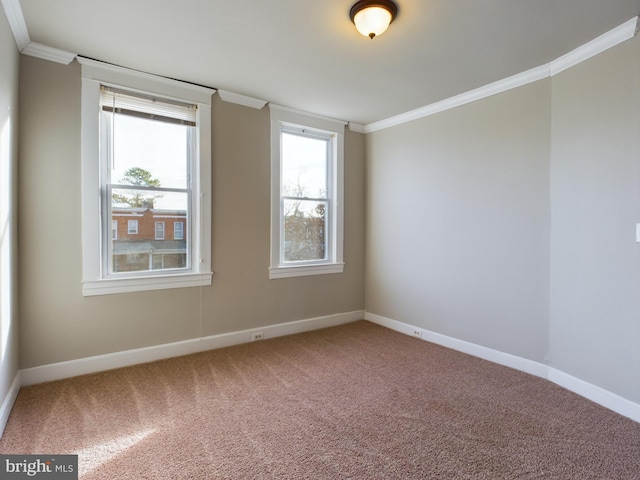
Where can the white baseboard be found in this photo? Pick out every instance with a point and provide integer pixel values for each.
(596, 394)
(110, 361)
(83, 366)
(587, 390)
(8, 402)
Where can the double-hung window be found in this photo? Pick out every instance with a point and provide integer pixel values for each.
(178, 231)
(159, 230)
(132, 227)
(307, 191)
(146, 157)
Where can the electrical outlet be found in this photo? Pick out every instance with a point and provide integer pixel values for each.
(417, 333)
(257, 336)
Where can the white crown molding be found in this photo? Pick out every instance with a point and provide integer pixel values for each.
(604, 42)
(587, 390)
(608, 40)
(51, 54)
(107, 72)
(356, 127)
(99, 363)
(242, 99)
(15, 17)
(274, 106)
(494, 88)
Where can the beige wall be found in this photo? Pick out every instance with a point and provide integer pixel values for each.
(9, 61)
(511, 222)
(458, 222)
(595, 192)
(58, 323)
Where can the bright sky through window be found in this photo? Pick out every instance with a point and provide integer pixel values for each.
(304, 173)
(159, 147)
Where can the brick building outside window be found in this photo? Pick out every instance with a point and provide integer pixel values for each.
(146, 249)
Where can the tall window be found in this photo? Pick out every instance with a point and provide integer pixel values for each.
(307, 212)
(305, 164)
(146, 150)
(152, 143)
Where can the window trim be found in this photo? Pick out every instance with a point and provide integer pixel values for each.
(175, 224)
(155, 228)
(95, 281)
(132, 227)
(286, 118)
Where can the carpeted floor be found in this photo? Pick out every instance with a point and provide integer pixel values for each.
(352, 402)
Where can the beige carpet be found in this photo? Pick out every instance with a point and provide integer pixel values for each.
(352, 402)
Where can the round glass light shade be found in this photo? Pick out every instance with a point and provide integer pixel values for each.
(372, 21)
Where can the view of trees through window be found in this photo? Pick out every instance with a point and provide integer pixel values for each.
(304, 196)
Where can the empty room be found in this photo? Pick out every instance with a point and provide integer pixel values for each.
(320, 239)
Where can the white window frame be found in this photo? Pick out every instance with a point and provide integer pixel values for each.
(114, 229)
(95, 279)
(155, 228)
(181, 229)
(283, 118)
(132, 227)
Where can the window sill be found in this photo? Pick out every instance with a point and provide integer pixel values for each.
(305, 270)
(140, 284)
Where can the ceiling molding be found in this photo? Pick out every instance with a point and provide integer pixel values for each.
(110, 73)
(45, 52)
(241, 99)
(494, 88)
(604, 42)
(626, 31)
(610, 39)
(15, 17)
(356, 127)
(273, 106)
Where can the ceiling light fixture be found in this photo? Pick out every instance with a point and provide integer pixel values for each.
(372, 17)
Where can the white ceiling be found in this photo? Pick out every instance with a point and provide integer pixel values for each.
(306, 54)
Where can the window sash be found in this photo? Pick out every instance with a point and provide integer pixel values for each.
(178, 231)
(159, 230)
(156, 109)
(132, 227)
(327, 199)
(108, 255)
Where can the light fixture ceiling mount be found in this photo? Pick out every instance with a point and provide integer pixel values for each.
(372, 17)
